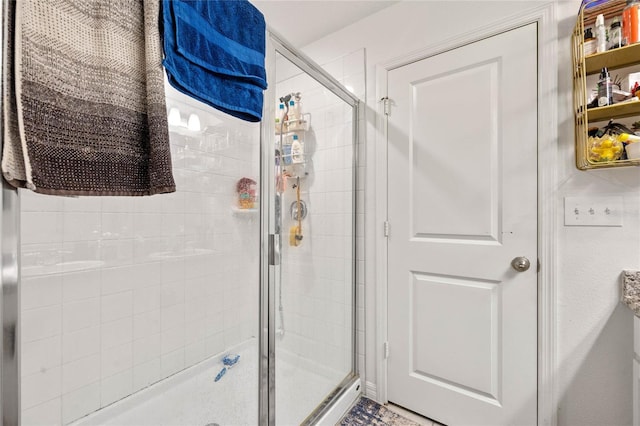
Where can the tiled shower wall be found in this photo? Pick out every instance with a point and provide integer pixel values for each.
(317, 275)
(119, 292)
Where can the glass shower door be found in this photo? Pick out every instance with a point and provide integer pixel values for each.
(314, 291)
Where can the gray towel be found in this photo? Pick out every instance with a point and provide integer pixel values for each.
(88, 97)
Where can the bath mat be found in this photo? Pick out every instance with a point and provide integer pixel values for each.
(368, 412)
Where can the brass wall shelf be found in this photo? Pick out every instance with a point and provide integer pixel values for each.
(587, 65)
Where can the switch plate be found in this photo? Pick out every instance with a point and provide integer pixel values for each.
(593, 211)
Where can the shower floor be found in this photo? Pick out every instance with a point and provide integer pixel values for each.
(192, 397)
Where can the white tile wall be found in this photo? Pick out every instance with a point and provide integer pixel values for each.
(121, 292)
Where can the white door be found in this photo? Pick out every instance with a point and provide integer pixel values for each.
(462, 190)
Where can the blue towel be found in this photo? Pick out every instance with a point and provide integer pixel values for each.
(214, 52)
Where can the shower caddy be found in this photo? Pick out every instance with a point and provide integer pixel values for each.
(295, 129)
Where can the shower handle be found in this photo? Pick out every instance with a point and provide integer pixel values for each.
(274, 250)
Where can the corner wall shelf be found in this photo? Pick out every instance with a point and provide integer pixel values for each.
(244, 212)
(588, 65)
(612, 59)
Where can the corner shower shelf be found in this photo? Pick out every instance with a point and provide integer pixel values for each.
(300, 125)
(588, 65)
(244, 212)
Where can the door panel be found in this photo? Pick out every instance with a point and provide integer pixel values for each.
(462, 200)
(461, 304)
(442, 144)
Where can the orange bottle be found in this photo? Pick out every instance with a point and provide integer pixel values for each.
(630, 30)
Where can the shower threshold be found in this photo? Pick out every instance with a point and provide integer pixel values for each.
(193, 397)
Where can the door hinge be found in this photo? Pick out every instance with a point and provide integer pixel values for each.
(387, 105)
(386, 350)
(387, 228)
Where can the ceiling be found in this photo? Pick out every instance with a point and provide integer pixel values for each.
(301, 22)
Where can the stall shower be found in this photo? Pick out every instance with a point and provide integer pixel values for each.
(230, 301)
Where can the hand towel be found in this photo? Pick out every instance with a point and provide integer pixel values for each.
(89, 99)
(214, 52)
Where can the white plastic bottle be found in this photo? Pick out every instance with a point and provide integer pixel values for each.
(297, 151)
(601, 34)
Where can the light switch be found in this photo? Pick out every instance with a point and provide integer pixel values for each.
(593, 211)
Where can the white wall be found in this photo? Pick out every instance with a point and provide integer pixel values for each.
(594, 353)
(161, 282)
(595, 332)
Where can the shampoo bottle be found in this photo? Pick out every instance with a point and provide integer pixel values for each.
(297, 152)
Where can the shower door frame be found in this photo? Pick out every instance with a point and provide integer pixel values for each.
(9, 307)
(270, 242)
(9, 277)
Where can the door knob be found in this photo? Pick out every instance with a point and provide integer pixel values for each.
(520, 263)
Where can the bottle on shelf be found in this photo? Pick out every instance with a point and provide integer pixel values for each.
(292, 110)
(281, 121)
(295, 113)
(589, 42)
(601, 34)
(286, 150)
(630, 28)
(615, 34)
(297, 151)
(605, 88)
(298, 106)
(286, 156)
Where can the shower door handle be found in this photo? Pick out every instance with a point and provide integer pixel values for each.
(274, 250)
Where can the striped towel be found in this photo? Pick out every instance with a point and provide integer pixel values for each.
(84, 106)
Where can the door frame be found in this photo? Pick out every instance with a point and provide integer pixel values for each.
(545, 18)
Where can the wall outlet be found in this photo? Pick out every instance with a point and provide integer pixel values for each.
(593, 211)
